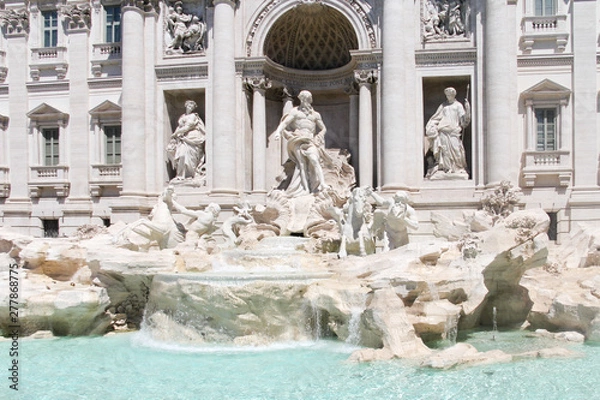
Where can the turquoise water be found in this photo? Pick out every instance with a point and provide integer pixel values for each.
(129, 366)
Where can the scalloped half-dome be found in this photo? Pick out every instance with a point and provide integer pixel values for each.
(311, 37)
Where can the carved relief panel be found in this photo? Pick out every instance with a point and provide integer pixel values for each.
(185, 27)
(445, 19)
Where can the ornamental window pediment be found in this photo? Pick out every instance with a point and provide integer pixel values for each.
(45, 114)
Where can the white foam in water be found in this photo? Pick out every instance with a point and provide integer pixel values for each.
(143, 338)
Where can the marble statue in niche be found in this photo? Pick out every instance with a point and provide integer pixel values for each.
(442, 19)
(305, 131)
(443, 137)
(185, 31)
(185, 151)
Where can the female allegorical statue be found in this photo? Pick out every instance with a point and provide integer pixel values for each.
(443, 134)
(185, 151)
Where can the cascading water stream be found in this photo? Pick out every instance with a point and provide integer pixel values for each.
(354, 326)
(494, 323)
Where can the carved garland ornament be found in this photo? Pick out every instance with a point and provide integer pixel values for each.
(274, 3)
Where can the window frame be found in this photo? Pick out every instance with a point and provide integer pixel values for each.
(114, 27)
(52, 142)
(50, 41)
(547, 143)
(110, 131)
(546, 8)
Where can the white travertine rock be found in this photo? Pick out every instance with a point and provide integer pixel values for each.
(566, 301)
(580, 250)
(463, 354)
(387, 316)
(565, 336)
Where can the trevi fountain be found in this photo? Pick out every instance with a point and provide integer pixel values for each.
(320, 292)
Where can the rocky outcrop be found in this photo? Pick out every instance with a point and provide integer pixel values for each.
(389, 302)
(565, 301)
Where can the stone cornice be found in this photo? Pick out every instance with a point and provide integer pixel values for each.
(446, 57)
(36, 87)
(545, 61)
(105, 83)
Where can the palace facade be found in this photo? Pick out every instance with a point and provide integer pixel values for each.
(91, 92)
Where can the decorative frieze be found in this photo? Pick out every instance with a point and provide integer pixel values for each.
(179, 72)
(545, 61)
(15, 22)
(445, 58)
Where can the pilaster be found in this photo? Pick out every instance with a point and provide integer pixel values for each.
(224, 138)
(133, 100)
(78, 138)
(500, 94)
(16, 26)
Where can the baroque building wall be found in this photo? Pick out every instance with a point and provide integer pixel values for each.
(92, 94)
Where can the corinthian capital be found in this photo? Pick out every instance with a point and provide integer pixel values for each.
(15, 22)
(78, 15)
(257, 82)
(365, 77)
(144, 5)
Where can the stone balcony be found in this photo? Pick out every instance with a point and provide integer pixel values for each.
(53, 178)
(4, 182)
(105, 175)
(105, 55)
(551, 29)
(48, 59)
(547, 168)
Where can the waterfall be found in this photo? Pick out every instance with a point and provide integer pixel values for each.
(433, 291)
(354, 326)
(494, 322)
(451, 329)
(315, 315)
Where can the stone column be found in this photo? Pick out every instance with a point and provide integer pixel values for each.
(500, 68)
(365, 79)
(353, 126)
(133, 99)
(16, 56)
(224, 139)
(259, 85)
(397, 53)
(78, 30)
(585, 86)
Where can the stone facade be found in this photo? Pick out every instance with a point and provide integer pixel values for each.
(91, 92)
